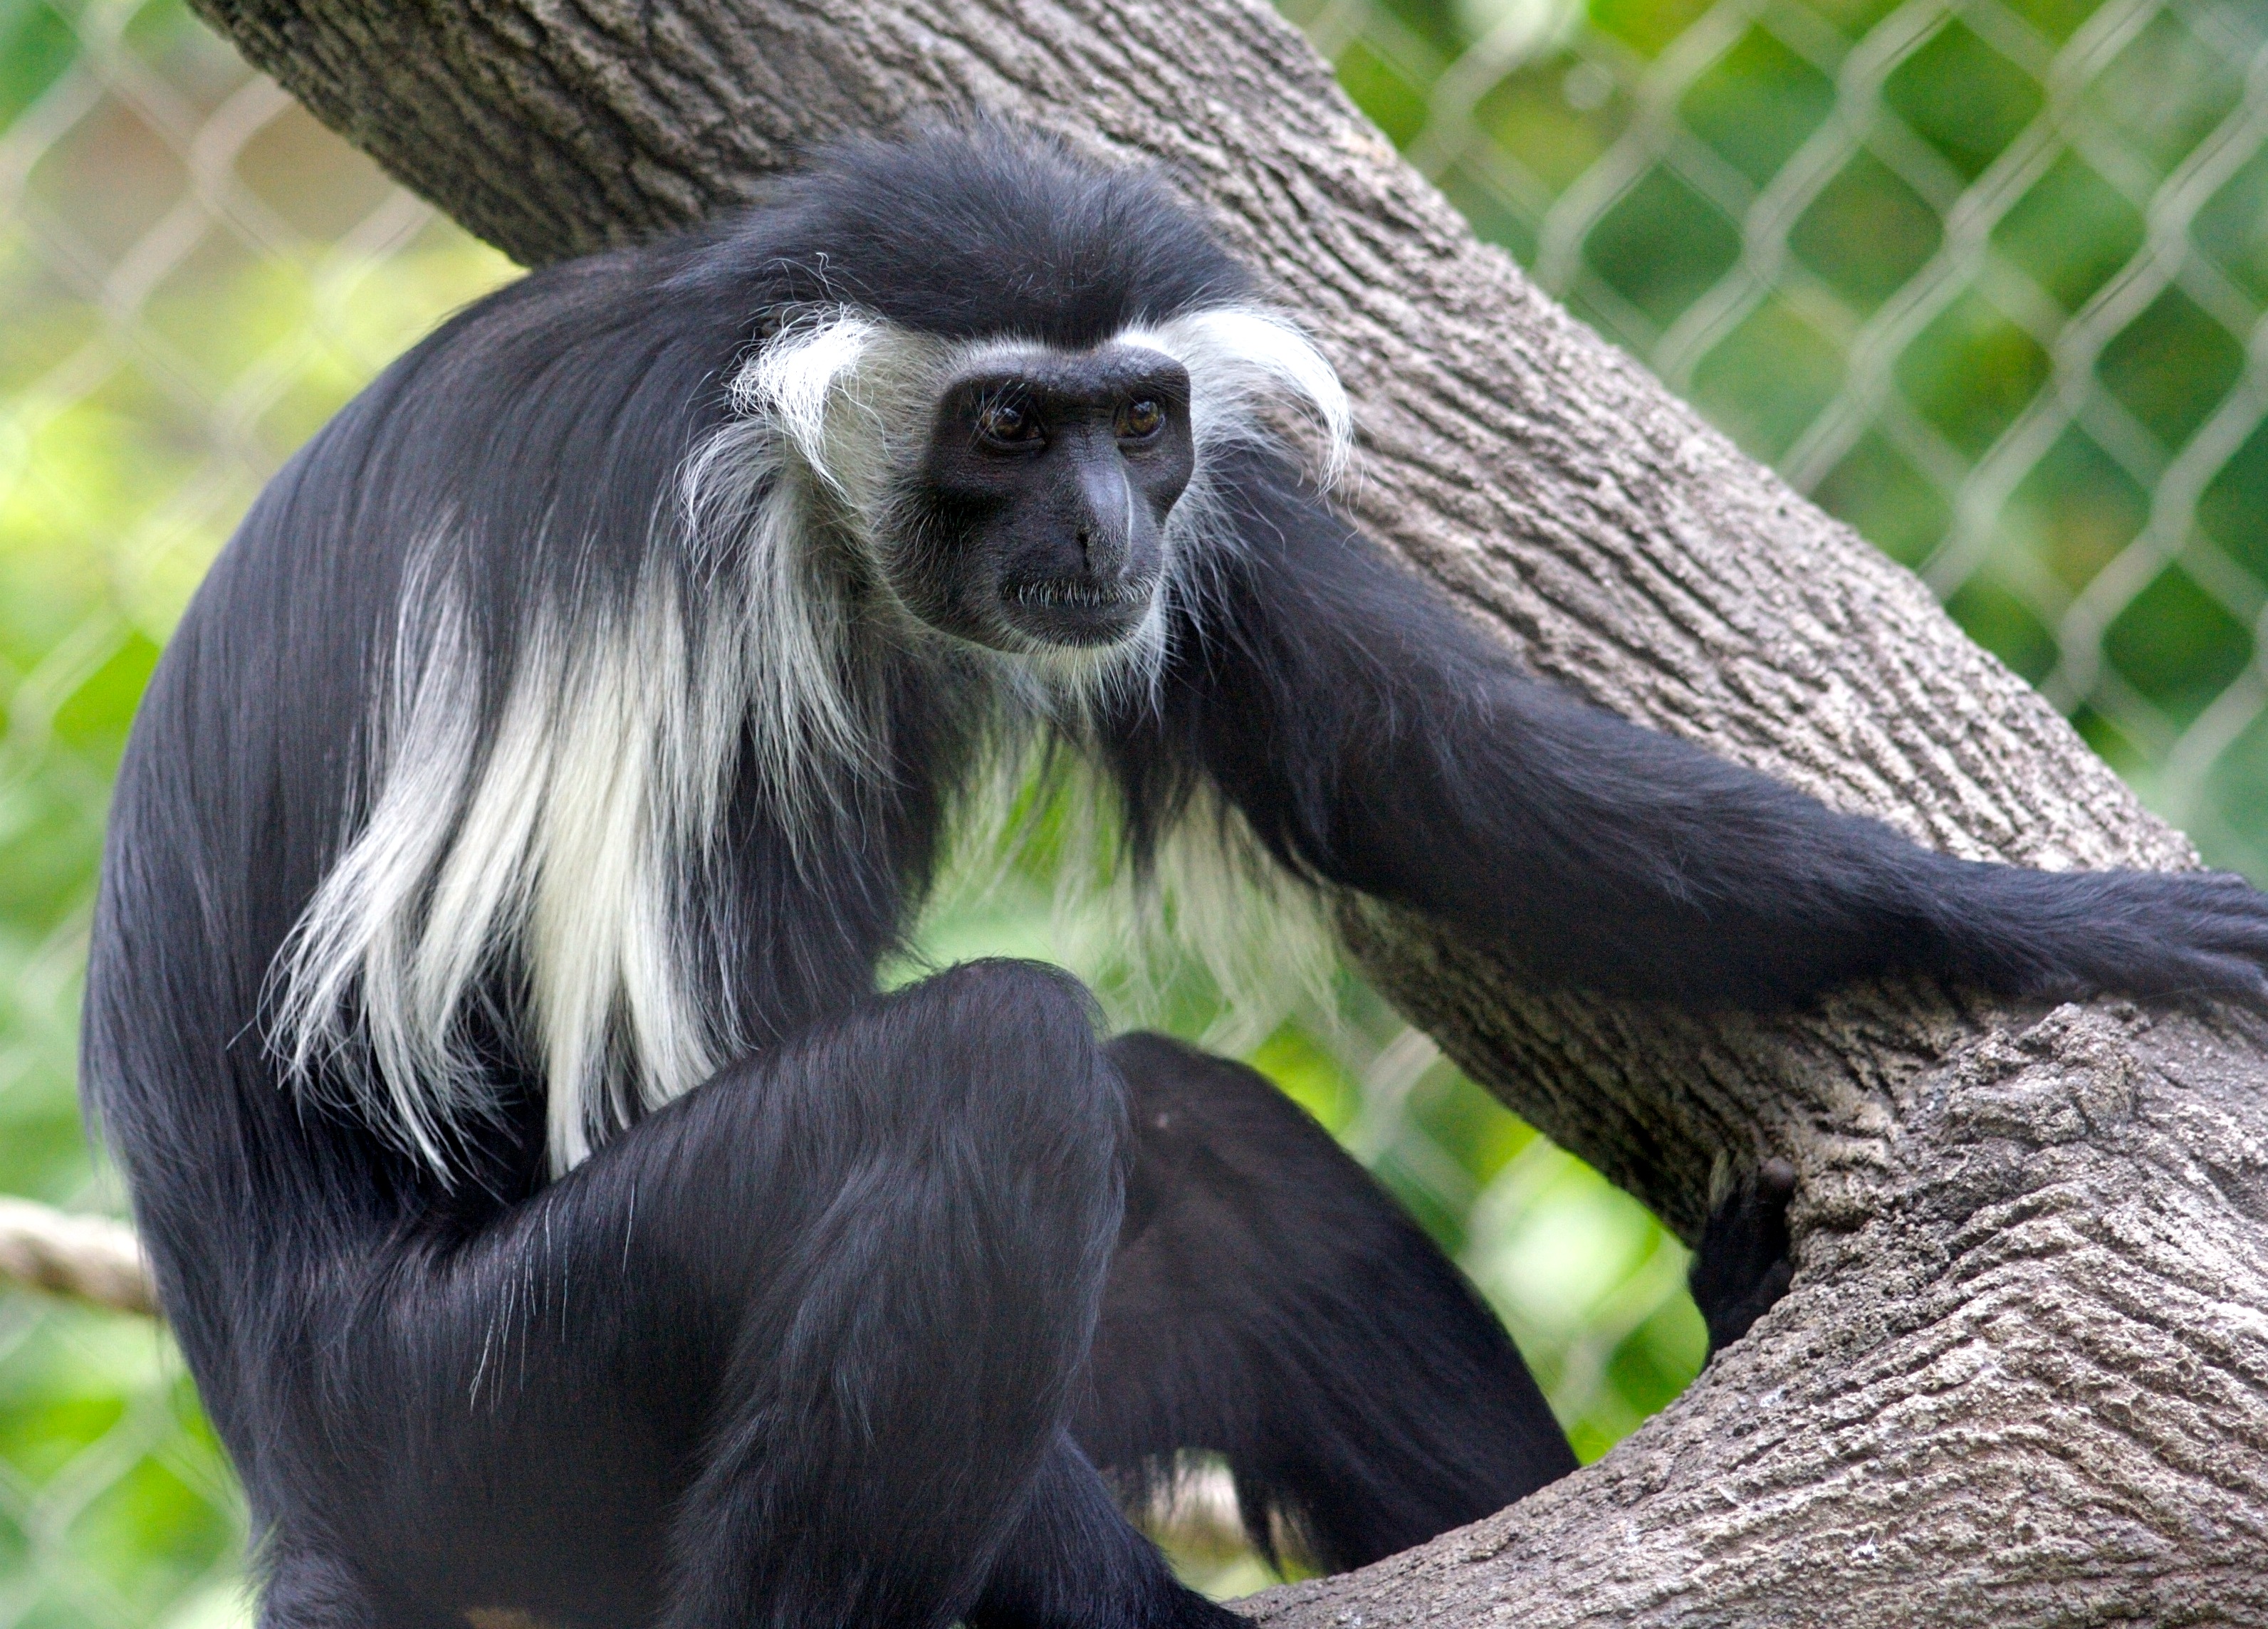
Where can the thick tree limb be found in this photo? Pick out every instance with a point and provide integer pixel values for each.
(2022, 1379)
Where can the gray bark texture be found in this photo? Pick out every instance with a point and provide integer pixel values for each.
(2022, 1377)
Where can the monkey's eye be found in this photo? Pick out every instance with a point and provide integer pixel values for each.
(1007, 423)
(1141, 419)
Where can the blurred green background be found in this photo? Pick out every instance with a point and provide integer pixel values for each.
(1987, 279)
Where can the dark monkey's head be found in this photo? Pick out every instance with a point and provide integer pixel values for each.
(997, 376)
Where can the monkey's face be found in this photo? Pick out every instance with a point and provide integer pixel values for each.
(1039, 507)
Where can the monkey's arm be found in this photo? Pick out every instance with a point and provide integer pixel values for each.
(1376, 740)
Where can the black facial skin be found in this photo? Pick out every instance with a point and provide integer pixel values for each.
(1040, 511)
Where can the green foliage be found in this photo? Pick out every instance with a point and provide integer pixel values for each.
(1769, 378)
(2170, 367)
(1866, 233)
(2072, 231)
(2177, 645)
(36, 45)
(1757, 105)
(1964, 97)
(1661, 247)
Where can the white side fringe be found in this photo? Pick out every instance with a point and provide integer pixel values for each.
(559, 845)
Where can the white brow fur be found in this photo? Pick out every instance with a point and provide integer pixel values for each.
(559, 840)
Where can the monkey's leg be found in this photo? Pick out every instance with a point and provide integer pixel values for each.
(898, 1380)
(1270, 1302)
(1075, 1562)
(789, 1350)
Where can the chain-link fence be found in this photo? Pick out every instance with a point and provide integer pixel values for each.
(193, 276)
(1985, 278)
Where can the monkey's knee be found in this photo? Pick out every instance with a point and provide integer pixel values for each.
(977, 1130)
(1023, 1038)
(1166, 1076)
(1023, 1104)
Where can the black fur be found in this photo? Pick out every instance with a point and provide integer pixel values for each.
(841, 1335)
(1270, 1303)
(1378, 743)
(1744, 1263)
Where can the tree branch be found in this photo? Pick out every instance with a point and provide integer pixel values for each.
(89, 1258)
(2023, 1377)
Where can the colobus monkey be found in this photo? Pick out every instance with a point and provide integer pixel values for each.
(483, 1003)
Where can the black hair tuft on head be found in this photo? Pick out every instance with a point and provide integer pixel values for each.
(971, 230)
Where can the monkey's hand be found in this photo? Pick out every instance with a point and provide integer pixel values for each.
(1742, 1266)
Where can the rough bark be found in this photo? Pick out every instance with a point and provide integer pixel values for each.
(2022, 1377)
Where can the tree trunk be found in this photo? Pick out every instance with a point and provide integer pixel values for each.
(2021, 1378)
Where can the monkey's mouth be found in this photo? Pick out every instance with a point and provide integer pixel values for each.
(1080, 594)
(1077, 610)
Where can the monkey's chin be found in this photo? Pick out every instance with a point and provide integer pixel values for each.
(1076, 614)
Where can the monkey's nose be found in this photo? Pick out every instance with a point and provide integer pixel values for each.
(1103, 551)
(1095, 541)
(1105, 526)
